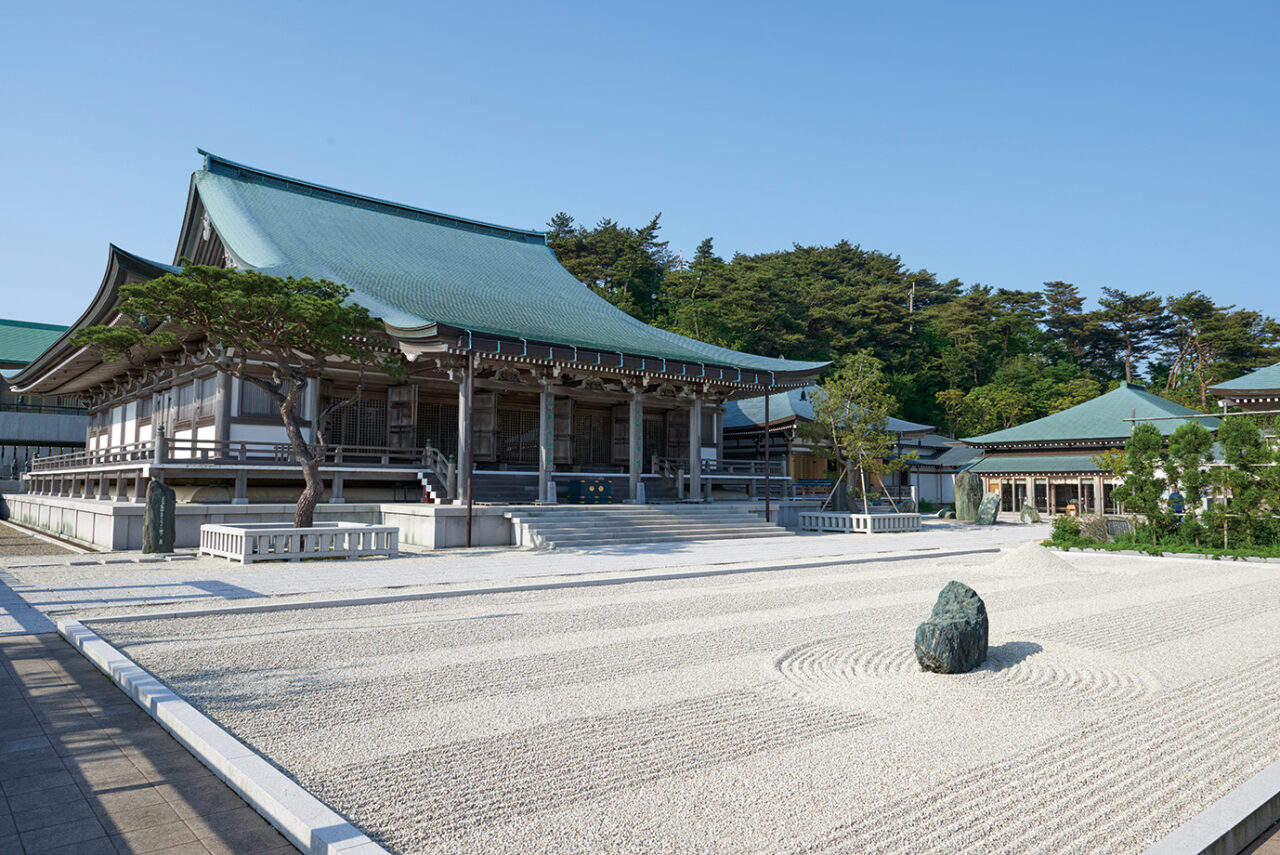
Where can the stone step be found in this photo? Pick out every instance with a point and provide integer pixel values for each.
(626, 539)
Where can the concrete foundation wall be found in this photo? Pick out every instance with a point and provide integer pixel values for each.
(111, 525)
(445, 526)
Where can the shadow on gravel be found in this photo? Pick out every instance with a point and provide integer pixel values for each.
(1009, 654)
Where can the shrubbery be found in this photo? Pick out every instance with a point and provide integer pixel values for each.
(1242, 489)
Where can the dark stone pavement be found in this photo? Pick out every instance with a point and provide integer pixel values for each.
(84, 770)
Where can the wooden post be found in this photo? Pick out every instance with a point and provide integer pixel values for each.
(695, 447)
(470, 470)
(546, 440)
(464, 435)
(241, 495)
(335, 492)
(767, 487)
(635, 444)
(1098, 507)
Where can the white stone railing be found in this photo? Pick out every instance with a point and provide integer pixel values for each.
(858, 523)
(253, 542)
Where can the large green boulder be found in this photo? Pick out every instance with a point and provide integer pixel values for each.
(954, 638)
(968, 496)
(158, 518)
(988, 510)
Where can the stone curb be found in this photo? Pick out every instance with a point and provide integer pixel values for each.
(1231, 823)
(302, 818)
(1181, 556)
(381, 599)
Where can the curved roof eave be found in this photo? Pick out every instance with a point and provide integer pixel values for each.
(101, 309)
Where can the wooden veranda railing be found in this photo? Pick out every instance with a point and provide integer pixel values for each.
(238, 453)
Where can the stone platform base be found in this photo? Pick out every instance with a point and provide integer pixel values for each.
(107, 525)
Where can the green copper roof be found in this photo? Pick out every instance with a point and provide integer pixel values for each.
(1263, 380)
(999, 464)
(793, 404)
(23, 341)
(1101, 418)
(414, 268)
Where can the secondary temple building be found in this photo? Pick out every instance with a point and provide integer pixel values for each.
(1049, 460)
(32, 426)
(930, 475)
(513, 367)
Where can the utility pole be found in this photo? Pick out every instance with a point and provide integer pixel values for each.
(767, 488)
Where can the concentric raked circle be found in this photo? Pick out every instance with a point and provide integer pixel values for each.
(840, 668)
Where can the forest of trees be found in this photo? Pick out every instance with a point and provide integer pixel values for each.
(969, 358)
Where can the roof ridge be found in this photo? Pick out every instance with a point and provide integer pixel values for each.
(222, 166)
(35, 325)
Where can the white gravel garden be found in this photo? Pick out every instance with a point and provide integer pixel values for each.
(760, 712)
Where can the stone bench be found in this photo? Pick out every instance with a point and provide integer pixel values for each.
(253, 542)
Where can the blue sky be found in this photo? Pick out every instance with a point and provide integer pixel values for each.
(1131, 145)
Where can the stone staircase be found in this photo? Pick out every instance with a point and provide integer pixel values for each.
(595, 526)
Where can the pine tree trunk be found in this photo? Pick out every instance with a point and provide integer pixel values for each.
(304, 514)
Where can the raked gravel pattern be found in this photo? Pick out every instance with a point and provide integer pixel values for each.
(767, 712)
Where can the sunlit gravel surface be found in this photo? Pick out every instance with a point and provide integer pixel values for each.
(761, 712)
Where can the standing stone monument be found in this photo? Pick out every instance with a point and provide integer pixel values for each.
(158, 518)
(988, 510)
(968, 496)
(1029, 513)
(954, 638)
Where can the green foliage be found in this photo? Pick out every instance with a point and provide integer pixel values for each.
(1030, 352)
(851, 410)
(1066, 530)
(1142, 491)
(275, 333)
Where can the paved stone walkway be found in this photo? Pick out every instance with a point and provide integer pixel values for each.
(83, 770)
(1267, 844)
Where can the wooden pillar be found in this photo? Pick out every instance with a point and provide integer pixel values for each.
(635, 444)
(140, 489)
(122, 487)
(222, 411)
(695, 447)
(1048, 486)
(464, 437)
(241, 496)
(335, 490)
(546, 441)
(1098, 506)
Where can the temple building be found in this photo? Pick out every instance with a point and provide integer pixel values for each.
(929, 476)
(32, 426)
(1049, 460)
(1257, 390)
(514, 368)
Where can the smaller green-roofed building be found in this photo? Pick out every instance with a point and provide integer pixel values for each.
(1050, 460)
(1257, 390)
(32, 425)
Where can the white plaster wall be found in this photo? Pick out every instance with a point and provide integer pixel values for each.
(258, 433)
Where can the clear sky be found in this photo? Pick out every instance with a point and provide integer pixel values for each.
(1124, 144)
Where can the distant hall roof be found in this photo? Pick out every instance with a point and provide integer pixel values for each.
(23, 341)
(1100, 418)
(1263, 380)
(414, 268)
(794, 404)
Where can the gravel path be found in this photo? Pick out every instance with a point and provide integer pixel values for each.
(767, 712)
(15, 542)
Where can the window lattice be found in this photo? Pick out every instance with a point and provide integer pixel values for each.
(359, 423)
(438, 427)
(591, 441)
(518, 436)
